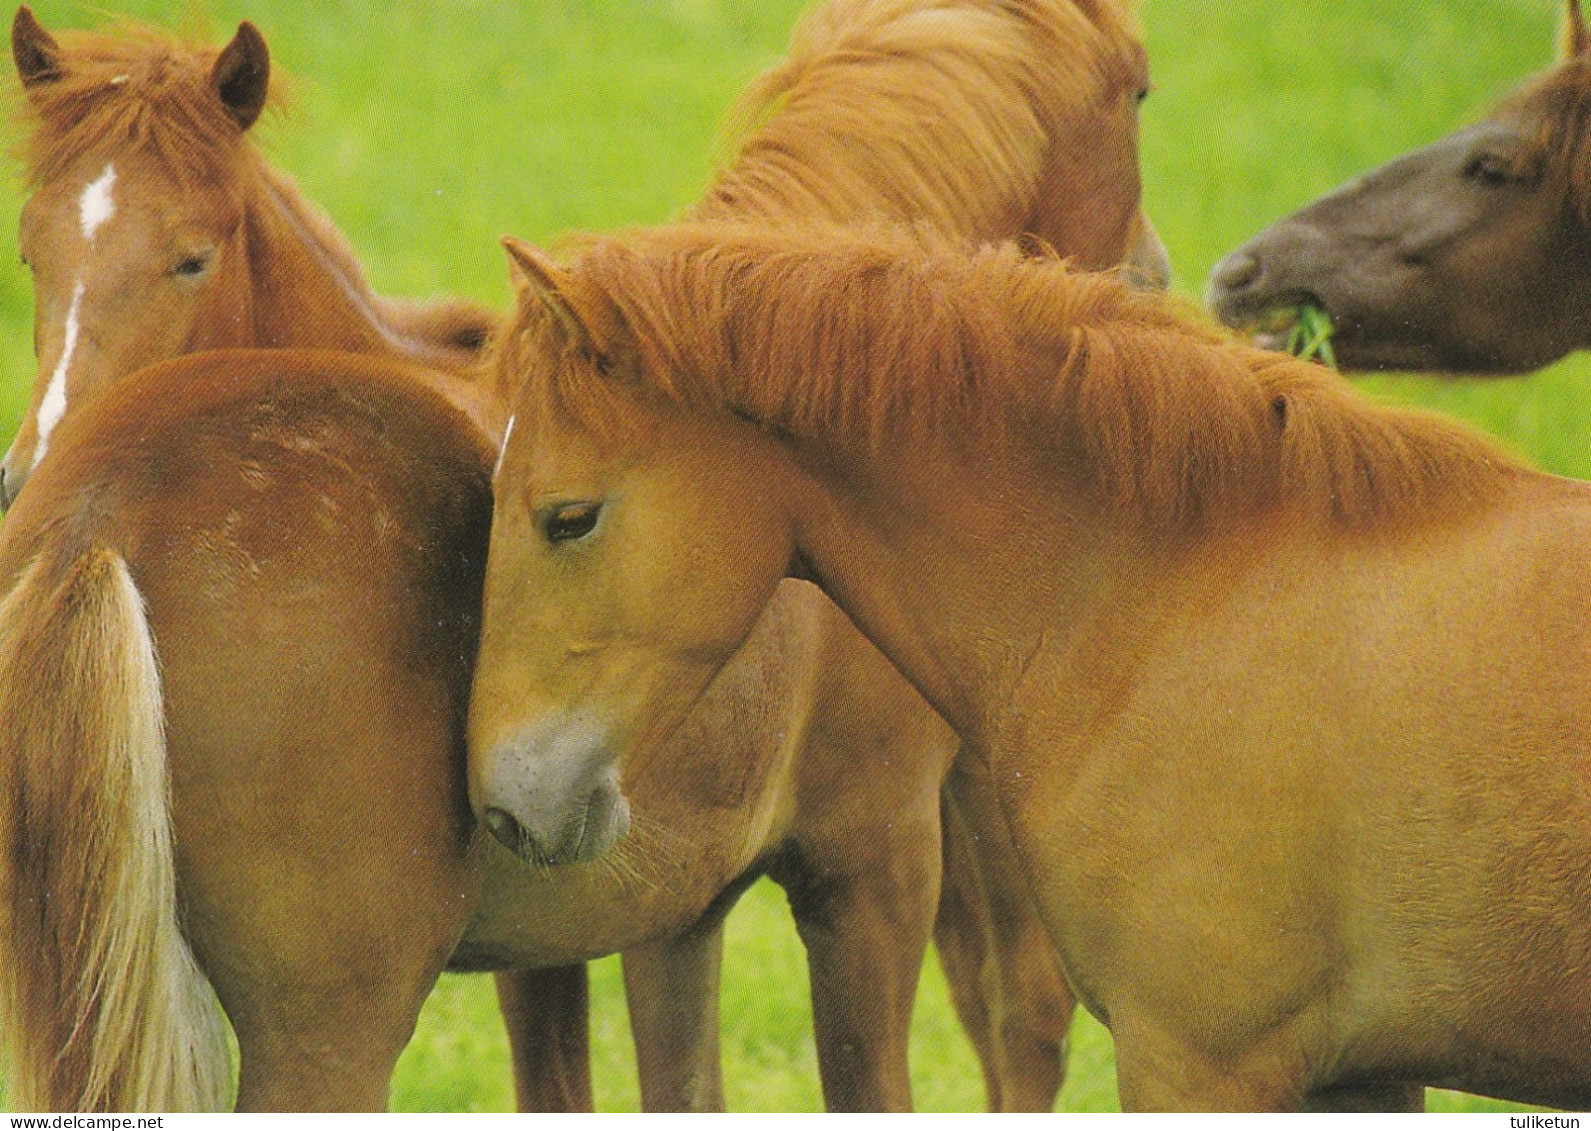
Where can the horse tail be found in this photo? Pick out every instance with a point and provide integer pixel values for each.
(102, 1005)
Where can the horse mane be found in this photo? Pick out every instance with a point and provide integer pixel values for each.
(889, 341)
(1555, 111)
(840, 123)
(132, 85)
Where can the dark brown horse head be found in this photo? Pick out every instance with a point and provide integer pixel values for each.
(1471, 255)
(133, 218)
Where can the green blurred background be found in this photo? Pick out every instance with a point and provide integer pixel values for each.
(427, 129)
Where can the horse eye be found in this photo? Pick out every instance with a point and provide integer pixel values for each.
(192, 267)
(573, 522)
(1489, 170)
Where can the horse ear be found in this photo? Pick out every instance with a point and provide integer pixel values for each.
(37, 55)
(242, 75)
(536, 276)
(1576, 38)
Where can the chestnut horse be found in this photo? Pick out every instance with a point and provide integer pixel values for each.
(966, 116)
(1287, 696)
(153, 228)
(696, 1083)
(1472, 255)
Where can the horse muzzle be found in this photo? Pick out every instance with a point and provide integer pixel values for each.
(551, 794)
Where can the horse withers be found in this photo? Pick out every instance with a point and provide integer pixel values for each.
(1470, 256)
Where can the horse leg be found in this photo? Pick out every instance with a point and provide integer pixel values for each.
(672, 988)
(318, 1066)
(546, 1013)
(324, 992)
(1001, 967)
(864, 912)
(324, 982)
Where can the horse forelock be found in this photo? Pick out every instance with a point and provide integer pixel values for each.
(886, 341)
(134, 87)
(840, 125)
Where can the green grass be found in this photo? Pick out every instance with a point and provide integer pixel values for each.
(427, 130)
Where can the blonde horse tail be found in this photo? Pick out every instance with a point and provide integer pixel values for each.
(102, 1005)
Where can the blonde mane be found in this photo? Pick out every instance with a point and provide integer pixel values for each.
(877, 339)
(934, 111)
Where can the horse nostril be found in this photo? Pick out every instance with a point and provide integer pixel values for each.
(1236, 271)
(505, 828)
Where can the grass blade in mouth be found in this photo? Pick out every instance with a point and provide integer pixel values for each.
(1310, 336)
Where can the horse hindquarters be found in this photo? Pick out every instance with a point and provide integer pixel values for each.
(104, 1007)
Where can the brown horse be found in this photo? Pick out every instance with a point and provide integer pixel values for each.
(793, 845)
(315, 857)
(154, 228)
(1287, 697)
(1472, 255)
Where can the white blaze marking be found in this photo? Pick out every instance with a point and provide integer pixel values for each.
(503, 451)
(96, 203)
(95, 206)
(53, 406)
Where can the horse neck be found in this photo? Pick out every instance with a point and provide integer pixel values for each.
(959, 572)
(1020, 609)
(307, 293)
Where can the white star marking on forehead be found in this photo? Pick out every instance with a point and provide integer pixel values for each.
(96, 203)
